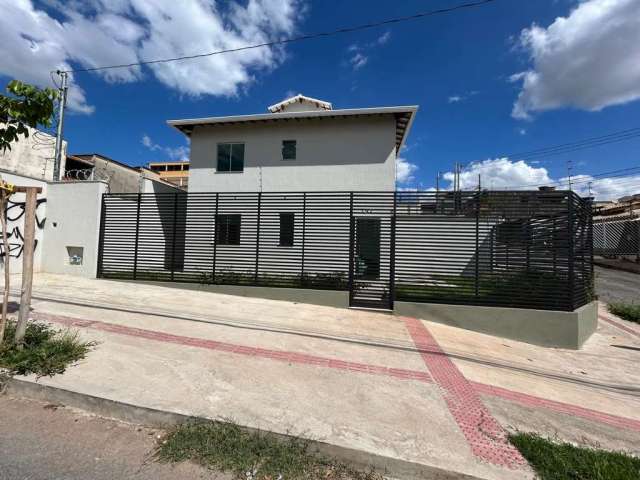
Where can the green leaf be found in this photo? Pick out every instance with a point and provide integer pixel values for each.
(25, 107)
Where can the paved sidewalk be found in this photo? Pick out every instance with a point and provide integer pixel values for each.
(398, 387)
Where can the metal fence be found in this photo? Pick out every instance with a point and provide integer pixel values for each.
(616, 237)
(495, 248)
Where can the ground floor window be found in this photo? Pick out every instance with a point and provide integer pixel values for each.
(286, 229)
(227, 229)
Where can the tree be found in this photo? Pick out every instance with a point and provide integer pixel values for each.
(25, 106)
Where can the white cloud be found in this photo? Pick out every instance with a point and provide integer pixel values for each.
(588, 60)
(358, 60)
(104, 32)
(178, 154)
(522, 131)
(384, 38)
(500, 173)
(359, 53)
(503, 173)
(462, 96)
(603, 188)
(405, 170)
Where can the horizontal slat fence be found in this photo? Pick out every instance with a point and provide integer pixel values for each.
(495, 248)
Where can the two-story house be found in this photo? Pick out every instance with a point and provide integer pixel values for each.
(302, 144)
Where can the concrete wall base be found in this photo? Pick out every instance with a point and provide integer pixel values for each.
(539, 327)
(327, 298)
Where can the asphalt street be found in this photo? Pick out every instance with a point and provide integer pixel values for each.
(45, 442)
(617, 286)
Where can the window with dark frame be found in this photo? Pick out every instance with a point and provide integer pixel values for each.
(286, 229)
(230, 157)
(227, 229)
(288, 149)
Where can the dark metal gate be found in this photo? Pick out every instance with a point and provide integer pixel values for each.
(371, 258)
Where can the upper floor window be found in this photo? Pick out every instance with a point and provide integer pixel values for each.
(230, 157)
(288, 149)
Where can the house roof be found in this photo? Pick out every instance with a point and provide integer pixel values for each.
(281, 106)
(402, 114)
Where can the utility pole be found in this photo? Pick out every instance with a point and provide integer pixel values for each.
(569, 168)
(61, 105)
(455, 177)
(437, 182)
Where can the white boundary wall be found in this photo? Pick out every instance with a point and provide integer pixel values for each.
(72, 227)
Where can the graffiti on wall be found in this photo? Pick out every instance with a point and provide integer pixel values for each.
(15, 211)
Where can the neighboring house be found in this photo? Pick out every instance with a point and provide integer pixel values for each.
(625, 207)
(172, 172)
(120, 177)
(32, 156)
(616, 228)
(301, 145)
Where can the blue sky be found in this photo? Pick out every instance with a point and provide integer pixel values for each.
(461, 69)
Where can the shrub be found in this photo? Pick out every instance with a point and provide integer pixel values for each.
(46, 351)
(626, 311)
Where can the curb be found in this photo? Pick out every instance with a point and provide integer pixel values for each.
(150, 417)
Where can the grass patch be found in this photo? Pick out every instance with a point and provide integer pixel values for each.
(250, 455)
(46, 351)
(500, 288)
(627, 311)
(563, 461)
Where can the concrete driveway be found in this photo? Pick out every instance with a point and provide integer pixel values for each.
(399, 387)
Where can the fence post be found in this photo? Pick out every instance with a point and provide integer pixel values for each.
(135, 252)
(351, 240)
(571, 253)
(637, 240)
(173, 240)
(255, 280)
(215, 239)
(101, 236)
(392, 255)
(304, 225)
(477, 265)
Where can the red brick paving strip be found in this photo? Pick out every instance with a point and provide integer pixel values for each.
(486, 437)
(560, 407)
(290, 357)
(620, 326)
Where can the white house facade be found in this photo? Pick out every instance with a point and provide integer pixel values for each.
(301, 145)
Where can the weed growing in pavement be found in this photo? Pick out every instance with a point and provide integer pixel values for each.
(250, 455)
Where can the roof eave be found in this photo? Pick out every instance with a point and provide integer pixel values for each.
(186, 126)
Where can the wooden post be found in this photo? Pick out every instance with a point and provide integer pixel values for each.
(27, 259)
(6, 260)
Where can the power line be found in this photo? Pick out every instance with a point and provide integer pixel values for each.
(578, 147)
(609, 138)
(300, 38)
(623, 172)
